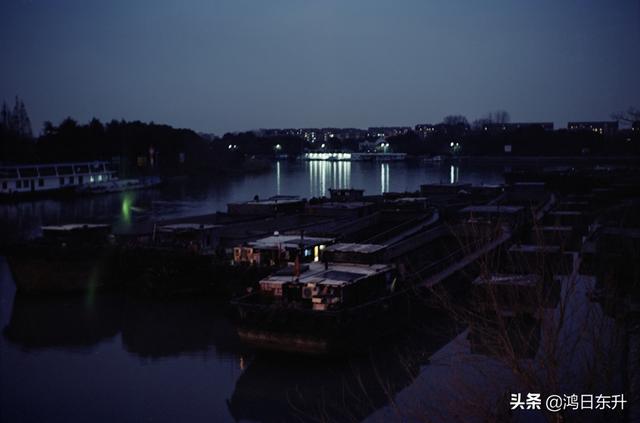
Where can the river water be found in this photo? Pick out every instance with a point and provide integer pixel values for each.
(109, 358)
(207, 195)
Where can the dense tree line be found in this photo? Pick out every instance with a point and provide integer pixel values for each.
(136, 147)
(248, 143)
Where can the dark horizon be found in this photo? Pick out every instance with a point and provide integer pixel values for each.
(237, 66)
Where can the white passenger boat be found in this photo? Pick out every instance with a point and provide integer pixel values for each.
(49, 178)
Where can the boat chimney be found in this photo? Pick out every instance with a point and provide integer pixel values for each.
(301, 243)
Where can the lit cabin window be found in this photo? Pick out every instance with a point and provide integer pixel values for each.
(99, 178)
(91, 179)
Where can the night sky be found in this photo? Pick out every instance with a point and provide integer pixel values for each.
(230, 65)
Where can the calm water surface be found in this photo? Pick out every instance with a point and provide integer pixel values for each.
(206, 195)
(109, 358)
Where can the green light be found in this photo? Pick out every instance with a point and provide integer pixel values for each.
(126, 207)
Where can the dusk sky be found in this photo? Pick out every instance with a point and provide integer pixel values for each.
(231, 65)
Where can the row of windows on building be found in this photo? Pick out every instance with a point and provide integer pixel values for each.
(325, 134)
(63, 181)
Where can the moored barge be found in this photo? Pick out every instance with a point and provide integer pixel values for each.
(67, 258)
(321, 308)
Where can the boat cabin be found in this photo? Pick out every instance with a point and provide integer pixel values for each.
(346, 194)
(279, 249)
(355, 253)
(51, 177)
(321, 287)
(193, 237)
(280, 204)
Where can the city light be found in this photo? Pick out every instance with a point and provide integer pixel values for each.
(328, 156)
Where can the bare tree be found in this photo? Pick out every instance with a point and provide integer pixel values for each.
(539, 333)
(629, 116)
(453, 120)
(494, 118)
(16, 121)
(500, 116)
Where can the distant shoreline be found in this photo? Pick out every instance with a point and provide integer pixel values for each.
(506, 159)
(557, 159)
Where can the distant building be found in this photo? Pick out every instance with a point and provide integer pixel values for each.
(425, 130)
(515, 126)
(286, 132)
(603, 128)
(388, 131)
(327, 134)
(311, 135)
(351, 134)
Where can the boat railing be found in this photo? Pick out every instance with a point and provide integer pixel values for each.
(54, 169)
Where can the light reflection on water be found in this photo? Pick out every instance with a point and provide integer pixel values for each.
(384, 178)
(188, 197)
(455, 174)
(324, 175)
(278, 182)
